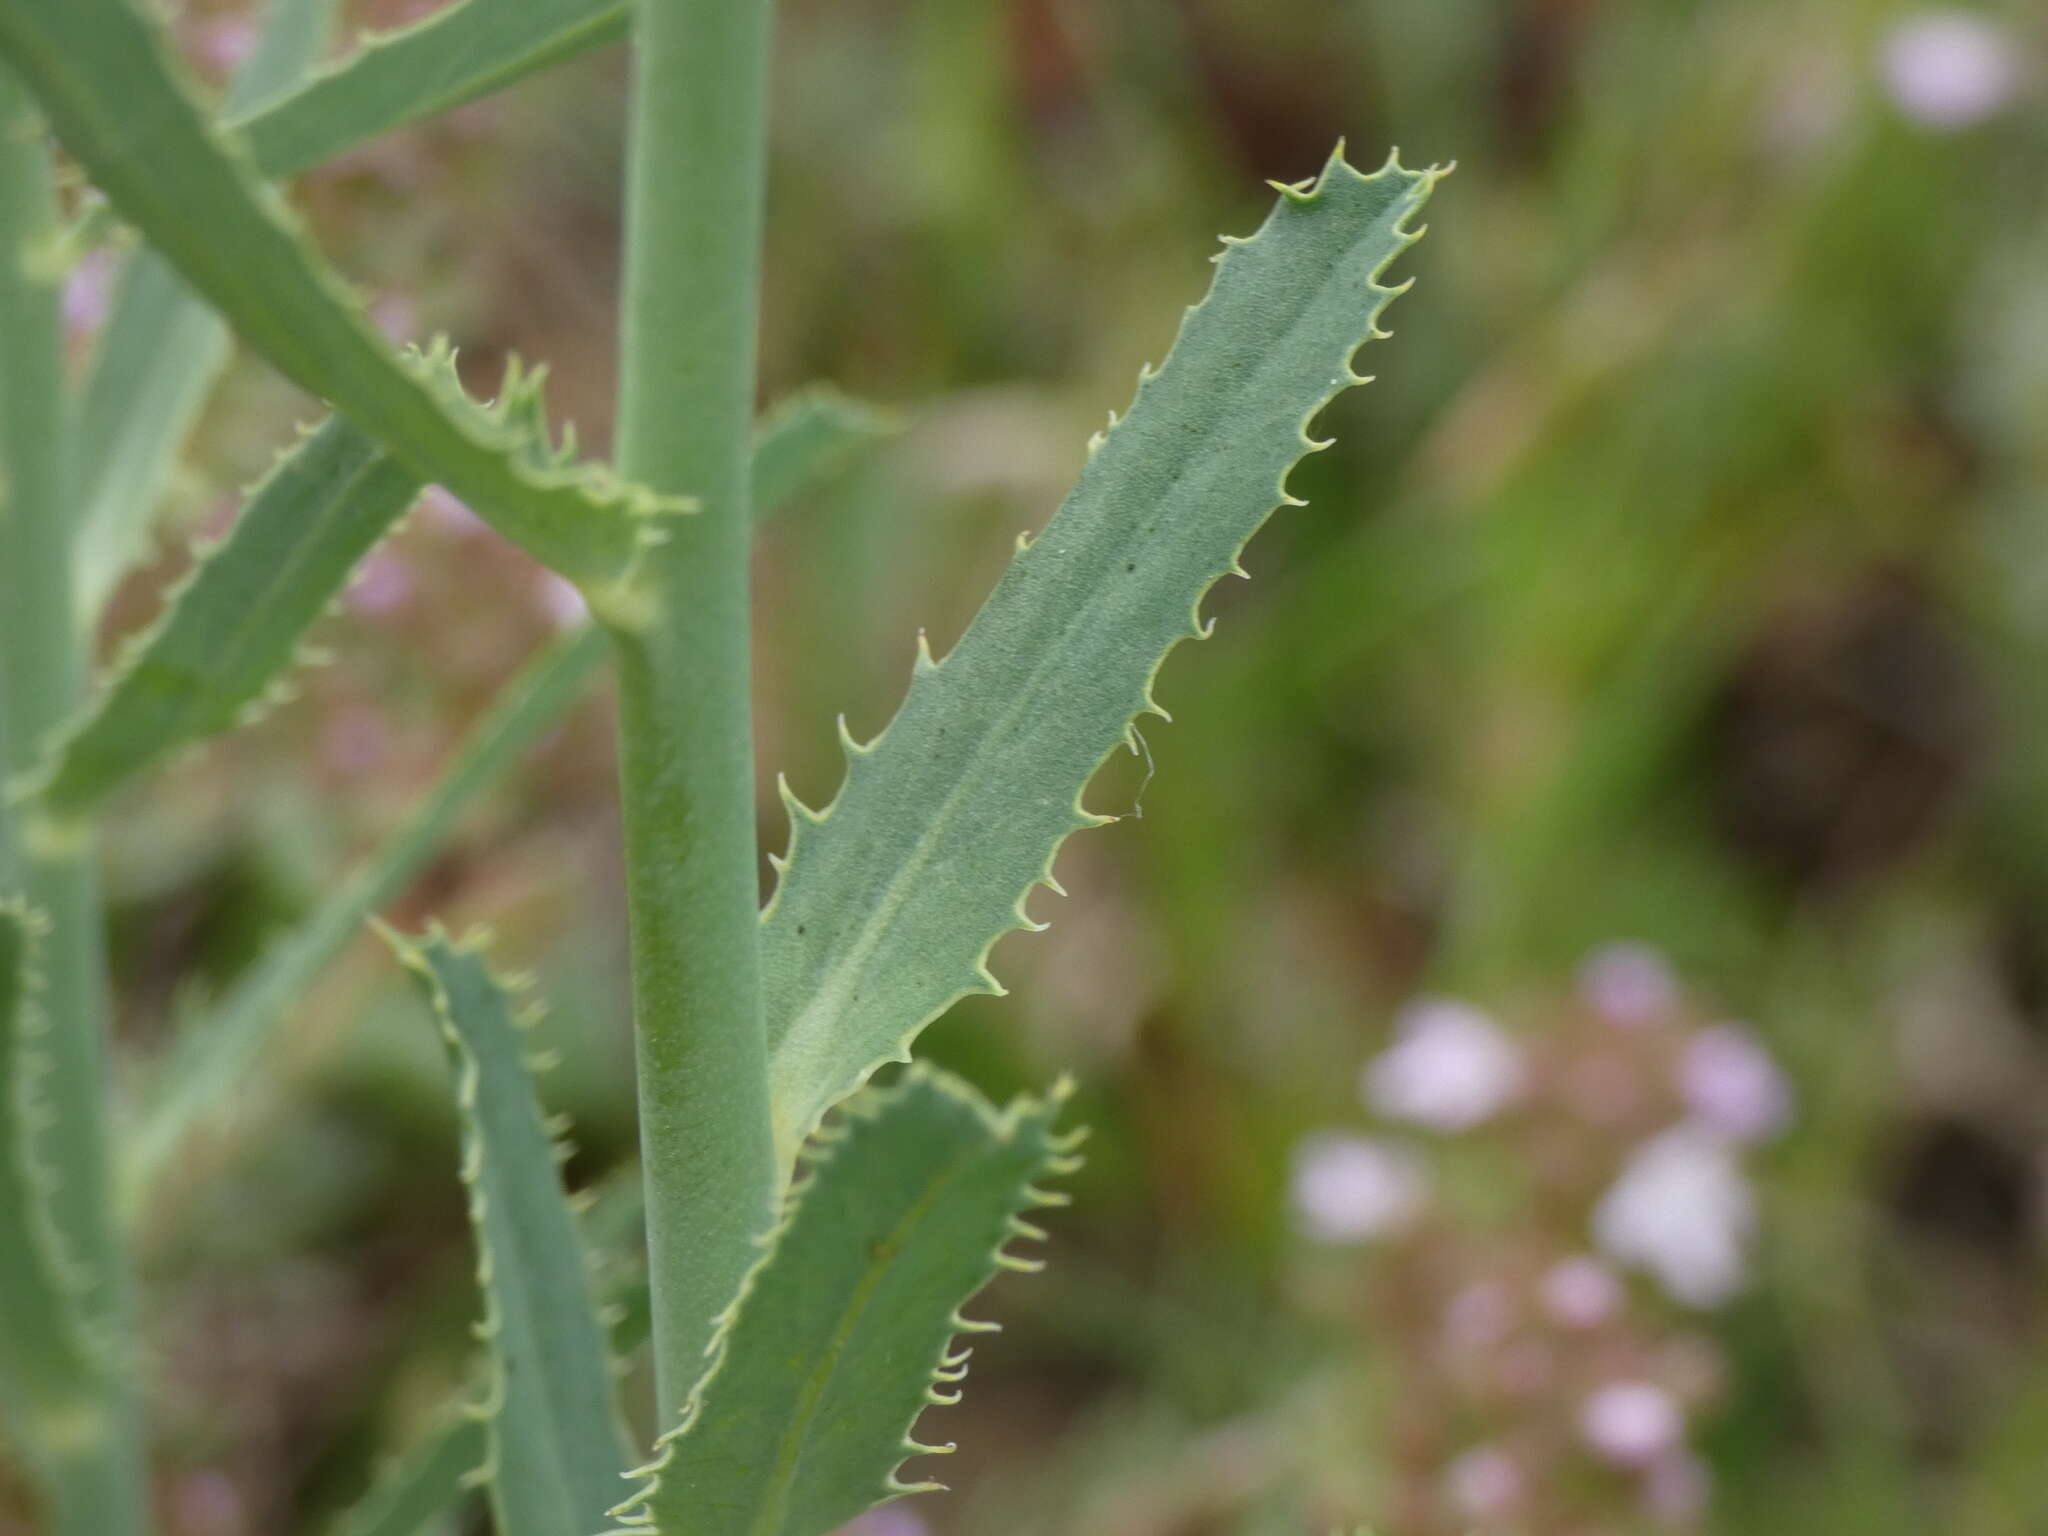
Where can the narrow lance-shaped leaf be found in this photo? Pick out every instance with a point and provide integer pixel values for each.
(891, 899)
(422, 1489)
(106, 80)
(797, 446)
(450, 56)
(47, 1358)
(842, 1335)
(162, 348)
(233, 626)
(556, 1445)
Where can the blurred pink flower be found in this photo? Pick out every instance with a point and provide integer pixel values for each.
(1730, 1083)
(1628, 984)
(1581, 1292)
(354, 741)
(889, 1520)
(224, 44)
(394, 315)
(1349, 1188)
(88, 293)
(560, 601)
(1632, 1423)
(1682, 1210)
(1949, 69)
(1676, 1486)
(1484, 1483)
(382, 584)
(1449, 1068)
(448, 514)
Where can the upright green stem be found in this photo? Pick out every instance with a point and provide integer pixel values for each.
(693, 242)
(94, 1465)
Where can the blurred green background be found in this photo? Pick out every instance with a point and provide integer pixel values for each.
(1683, 581)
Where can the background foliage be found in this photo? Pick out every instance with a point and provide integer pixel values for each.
(1684, 581)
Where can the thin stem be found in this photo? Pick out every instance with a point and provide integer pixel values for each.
(97, 1472)
(693, 240)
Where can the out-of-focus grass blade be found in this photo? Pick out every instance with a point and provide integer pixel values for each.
(842, 1334)
(233, 627)
(104, 78)
(419, 1491)
(206, 1070)
(808, 438)
(891, 899)
(451, 56)
(162, 349)
(557, 1447)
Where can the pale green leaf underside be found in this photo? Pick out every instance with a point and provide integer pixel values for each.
(841, 1334)
(234, 625)
(556, 1445)
(104, 77)
(451, 56)
(47, 1366)
(797, 447)
(891, 899)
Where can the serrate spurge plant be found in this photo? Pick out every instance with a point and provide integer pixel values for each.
(811, 1238)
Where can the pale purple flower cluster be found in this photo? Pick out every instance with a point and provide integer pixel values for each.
(1630, 1119)
(1950, 69)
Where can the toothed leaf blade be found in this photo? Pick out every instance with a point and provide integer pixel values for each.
(235, 625)
(555, 1440)
(891, 900)
(842, 1332)
(453, 55)
(422, 1488)
(108, 84)
(47, 1365)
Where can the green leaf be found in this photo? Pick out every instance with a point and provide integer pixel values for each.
(48, 1360)
(235, 623)
(556, 1445)
(891, 899)
(104, 77)
(162, 349)
(842, 1335)
(453, 55)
